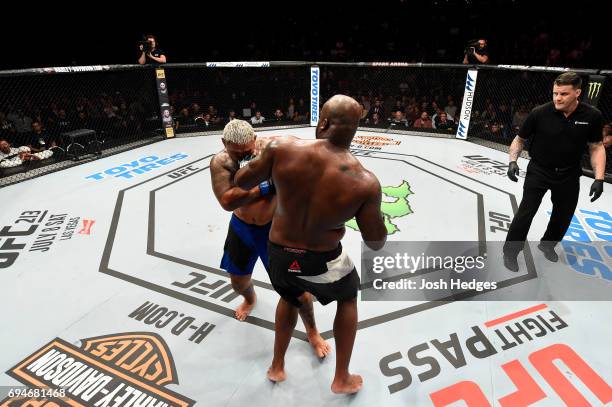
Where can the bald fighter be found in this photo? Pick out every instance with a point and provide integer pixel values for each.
(249, 227)
(319, 186)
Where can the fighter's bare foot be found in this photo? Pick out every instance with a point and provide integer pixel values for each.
(320, 347)
(349, 385)
(276, 374)
(244, 309)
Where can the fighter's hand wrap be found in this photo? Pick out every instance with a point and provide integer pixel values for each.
(596, 189)
(267, 188)
(513, 171)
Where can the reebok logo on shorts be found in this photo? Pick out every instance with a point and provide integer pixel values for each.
(294, 267)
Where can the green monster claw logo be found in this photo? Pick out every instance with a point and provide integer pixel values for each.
(394, 205)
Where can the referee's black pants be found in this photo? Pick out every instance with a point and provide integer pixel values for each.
(564, 184)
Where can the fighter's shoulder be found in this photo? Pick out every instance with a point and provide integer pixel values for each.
(221, 160)
(283, 143)
(370, 181)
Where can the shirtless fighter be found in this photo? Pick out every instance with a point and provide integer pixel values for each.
(320, 186)
(249, 226)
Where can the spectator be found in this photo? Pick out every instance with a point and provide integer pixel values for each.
(519, 118)
(10, 156)
(231, 115)
(22, 123)
(504, 118)
(13, 157)
(374, 120)
(110, 110)
(443, 123)
(149, 53)
(377, 108)
(278, 115)
(426, 107)
(489, 115)
(398, 106)
(82, 121)
(291, 110)
(195, 110)
(40, 140)
(412, 113)
(423, 122)
(184, 119)
(7, 128)
(205, 120)
(436, 116)
(301, 112)
(258, 118)
(63, 123)
(476, 53)
(451, 109)
(213, 111)
(494, 131)
(397, 121)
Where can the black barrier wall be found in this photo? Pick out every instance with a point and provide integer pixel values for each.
(122, 105)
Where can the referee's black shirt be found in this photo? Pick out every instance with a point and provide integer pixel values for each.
(559, 141)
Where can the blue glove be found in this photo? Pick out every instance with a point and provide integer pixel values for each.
(267, 188)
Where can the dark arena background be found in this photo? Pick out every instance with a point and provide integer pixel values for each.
(111, 237)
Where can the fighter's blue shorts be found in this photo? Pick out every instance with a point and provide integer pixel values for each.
(243, 245)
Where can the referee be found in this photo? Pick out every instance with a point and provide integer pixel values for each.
(559, 131)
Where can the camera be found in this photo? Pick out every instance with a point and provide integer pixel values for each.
(471, 46)
(146, 46)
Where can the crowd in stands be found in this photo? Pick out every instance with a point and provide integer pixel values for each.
(396, 99)
(33, 132)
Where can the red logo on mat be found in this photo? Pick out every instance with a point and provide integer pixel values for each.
(87, 224)
(295, 267)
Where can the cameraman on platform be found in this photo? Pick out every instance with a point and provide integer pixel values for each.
(149, 53)
(476, 52)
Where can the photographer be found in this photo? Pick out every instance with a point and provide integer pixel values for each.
(476, 52)
(149, 53)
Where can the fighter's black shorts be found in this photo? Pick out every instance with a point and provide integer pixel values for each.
(329, 276)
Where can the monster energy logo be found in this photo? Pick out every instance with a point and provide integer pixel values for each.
(594, 88)
(395, 205)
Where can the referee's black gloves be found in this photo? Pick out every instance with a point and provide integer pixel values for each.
(513, 171)
(596, 189)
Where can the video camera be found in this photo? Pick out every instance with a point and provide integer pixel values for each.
(471, 46)
(146, 46)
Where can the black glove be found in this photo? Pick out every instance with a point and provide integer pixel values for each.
(596, 189)
(513, 171)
